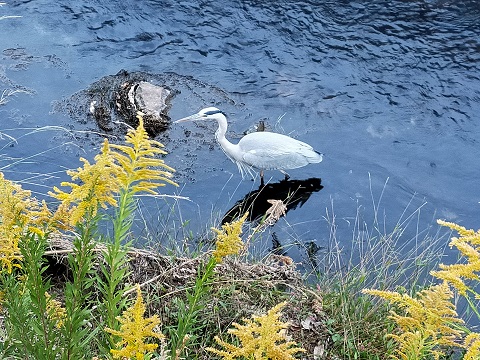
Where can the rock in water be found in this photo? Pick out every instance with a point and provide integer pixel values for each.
(112, 102)
(153, 101)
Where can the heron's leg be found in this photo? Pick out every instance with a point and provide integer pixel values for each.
(286, 175)
(262, 182)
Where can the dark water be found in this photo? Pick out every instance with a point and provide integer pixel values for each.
(388, 90)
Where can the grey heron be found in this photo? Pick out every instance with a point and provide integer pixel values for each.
(261, 150)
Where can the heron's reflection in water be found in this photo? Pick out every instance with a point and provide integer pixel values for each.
(292, 193)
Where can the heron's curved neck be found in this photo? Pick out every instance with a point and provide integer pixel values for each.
(222, 126)
(220, 134)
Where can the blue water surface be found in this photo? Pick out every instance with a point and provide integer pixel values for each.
(389, 91)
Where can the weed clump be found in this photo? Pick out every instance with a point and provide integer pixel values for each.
(429, 324)
(45, 327)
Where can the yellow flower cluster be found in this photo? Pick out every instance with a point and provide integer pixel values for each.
(19, 212)
(262, 337)
(468, 243)
(429, 321)
(98, 184)
(472, 344)
(132, 167)
(228, 240)
(469, 246)
(55, 311)
(134, 329)
(139, 162)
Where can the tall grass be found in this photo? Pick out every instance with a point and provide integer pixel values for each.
(380, 254)
(428, 325)
(383, 251)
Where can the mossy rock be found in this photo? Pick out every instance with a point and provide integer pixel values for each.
(113, 101)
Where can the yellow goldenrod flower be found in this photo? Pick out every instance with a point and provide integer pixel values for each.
(134, 329)
(55, 311)
(472, 344)
(428, 323)
(262, 337)
(13, 208)
(128, 167)
(228, 240)
(39, 218)
(138, 161)
(458, 228)
(468, 245)
(19, 213)
(99, 183)
(454, 275)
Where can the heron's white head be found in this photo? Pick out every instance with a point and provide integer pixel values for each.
(209, 113)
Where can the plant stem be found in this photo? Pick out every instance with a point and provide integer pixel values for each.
(187, 317)
(115, 268)
(76, 335)
(32, 248)
(473, 306)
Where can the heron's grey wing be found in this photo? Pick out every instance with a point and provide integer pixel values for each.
(272, 151)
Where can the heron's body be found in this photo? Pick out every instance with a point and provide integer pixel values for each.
(278, 152)
(261, 150)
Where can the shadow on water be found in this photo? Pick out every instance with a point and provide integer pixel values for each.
(292, 193)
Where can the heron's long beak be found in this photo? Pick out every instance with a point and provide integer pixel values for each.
(188, 118)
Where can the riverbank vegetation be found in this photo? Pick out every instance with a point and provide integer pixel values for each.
(72, 291)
